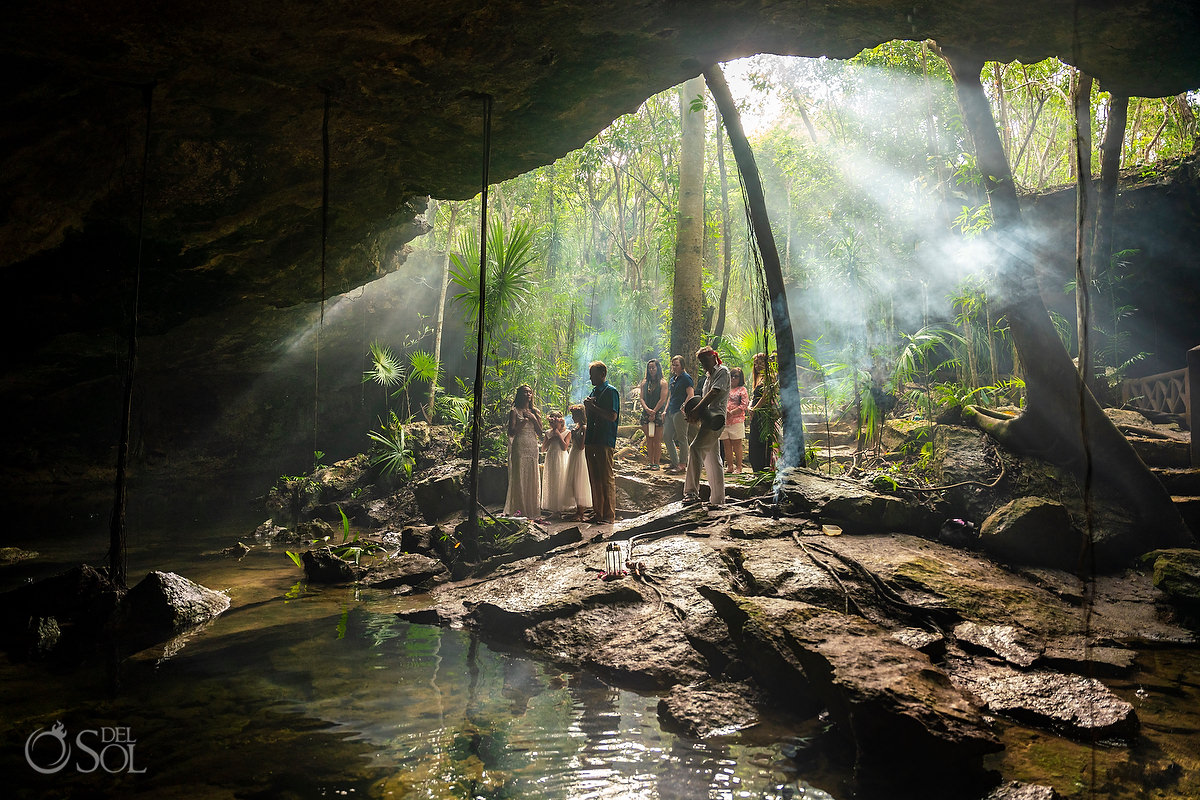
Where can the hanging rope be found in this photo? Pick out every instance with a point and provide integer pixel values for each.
(118, 560)
(324, 243)
(477, 405)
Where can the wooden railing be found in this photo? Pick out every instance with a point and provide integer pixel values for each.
(1166, 392)
(1171, 393)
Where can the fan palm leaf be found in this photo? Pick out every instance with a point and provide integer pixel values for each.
(386, 370)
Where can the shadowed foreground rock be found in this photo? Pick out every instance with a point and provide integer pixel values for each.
(889, 699)
(907, 646)
(68, 616)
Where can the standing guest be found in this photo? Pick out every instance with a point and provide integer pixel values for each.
(735, 421)
(602, 408)
(761, 421)
(524, 438)
(680, 389)
(579, 489)
(652, 396)
(703, 448)
(555, 496)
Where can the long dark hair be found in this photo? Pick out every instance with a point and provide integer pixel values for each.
(736, 372)
(657, 369)
(758, 368)
(524, 387)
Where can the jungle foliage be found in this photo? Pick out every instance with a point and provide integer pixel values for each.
(876, 205)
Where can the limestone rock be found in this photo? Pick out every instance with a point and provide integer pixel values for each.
(886, 697)
(443, 489)
(1177, 574)
(1016, 646)
(406, 569)
(44, 634)
(1032, 530)
(323, 566)
(1069, 654)
(169, 602)
(643, 491)
(1073, 705)
(11, 555)
(708, 709)
(338, 480)
(1019, 790)
(853, 506)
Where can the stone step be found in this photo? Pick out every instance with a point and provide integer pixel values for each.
(1173, 453)
(1178, 480)
(1189, 509)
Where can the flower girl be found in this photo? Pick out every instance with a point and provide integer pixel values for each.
(556, 497)
(578, 487)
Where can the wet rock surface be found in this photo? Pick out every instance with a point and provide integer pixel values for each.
(1177, 573)
(68, 616)
(1033, 531)
(172, 602)
(907, 644)
(1073, 705)
(710, 709)
(405, 570)
(833, 601)
(324, 566)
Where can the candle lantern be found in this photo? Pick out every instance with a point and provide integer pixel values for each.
(614, 561)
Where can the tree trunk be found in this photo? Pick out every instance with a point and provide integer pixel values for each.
(441, 309)
(726, 244)
(1081, 103)
(792, 451)
(553, 246)
(1110, 168)
(1062, 421)
(1106, 194)
(1001, 106)
(687, 313)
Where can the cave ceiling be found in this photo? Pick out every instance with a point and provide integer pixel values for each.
(234, 178)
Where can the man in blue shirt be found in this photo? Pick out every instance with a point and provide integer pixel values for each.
(680, 389)
(603, 409)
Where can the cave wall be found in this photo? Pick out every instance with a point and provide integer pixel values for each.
(1159, 218)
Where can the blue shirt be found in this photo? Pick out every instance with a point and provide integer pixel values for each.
(601, 431)
(678, 388)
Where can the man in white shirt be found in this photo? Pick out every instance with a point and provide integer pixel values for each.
(704, 448)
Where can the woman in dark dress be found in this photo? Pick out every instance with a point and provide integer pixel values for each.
(654, 402)
(762, 417)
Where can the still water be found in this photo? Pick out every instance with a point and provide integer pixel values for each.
(299, 692)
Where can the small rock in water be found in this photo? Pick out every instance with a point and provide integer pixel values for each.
(1019, 790)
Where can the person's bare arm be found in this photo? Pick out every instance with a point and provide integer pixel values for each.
(662, 396)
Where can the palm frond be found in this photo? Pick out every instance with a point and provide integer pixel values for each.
(386, 369)
(423, 366)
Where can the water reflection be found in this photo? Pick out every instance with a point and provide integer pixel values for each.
(299, 692)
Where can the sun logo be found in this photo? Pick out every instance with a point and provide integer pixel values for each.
(57, 732)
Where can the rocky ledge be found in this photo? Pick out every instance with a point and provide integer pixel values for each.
(910, 648)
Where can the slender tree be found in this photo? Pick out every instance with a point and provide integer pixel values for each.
(726, 239)
(441, 309)
(686, 296)
(1081, 104)
(1106, 192)
(792, 452)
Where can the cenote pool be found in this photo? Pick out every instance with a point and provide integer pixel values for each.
(327, 693)
(324, 692)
